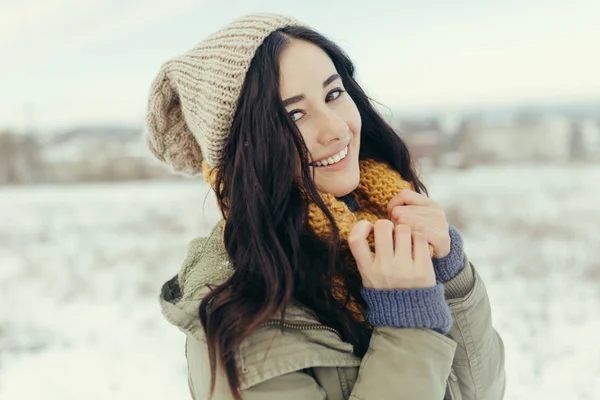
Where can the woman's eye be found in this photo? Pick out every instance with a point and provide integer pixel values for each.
(334, 94)
(296, 115)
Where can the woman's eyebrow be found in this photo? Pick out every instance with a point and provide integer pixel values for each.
(293, 100)
(331, 79)
(300, 97)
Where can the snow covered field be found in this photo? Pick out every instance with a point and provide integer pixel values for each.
(81, 267)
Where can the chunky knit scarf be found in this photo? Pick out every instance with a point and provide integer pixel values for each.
(378, 184)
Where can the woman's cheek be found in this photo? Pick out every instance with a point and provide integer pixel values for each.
(352, 116)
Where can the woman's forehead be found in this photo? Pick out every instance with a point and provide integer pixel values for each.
(303, 66)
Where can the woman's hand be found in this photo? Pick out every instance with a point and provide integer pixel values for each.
(423, 215)
(401, 259)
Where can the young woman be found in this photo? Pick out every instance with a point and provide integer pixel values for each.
(332, 275)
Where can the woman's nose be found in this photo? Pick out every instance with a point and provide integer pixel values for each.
(331, 127)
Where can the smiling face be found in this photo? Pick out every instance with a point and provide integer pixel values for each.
(315, 98)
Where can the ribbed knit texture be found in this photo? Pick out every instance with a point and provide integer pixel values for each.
(378, 184)
(193, 98)
(448, 267)
(408, 308)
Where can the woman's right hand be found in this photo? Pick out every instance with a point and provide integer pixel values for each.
(401, 259)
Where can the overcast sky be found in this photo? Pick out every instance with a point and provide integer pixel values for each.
(73, 62)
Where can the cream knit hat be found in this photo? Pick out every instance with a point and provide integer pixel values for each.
(194, 97)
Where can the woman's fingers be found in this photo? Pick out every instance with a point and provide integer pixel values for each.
(403, 242)
(422, 261)
(409, 197)
(420, 248)
(384, 242)
(401, 259)
(359, 246)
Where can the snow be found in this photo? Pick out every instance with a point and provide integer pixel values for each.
(81, 267)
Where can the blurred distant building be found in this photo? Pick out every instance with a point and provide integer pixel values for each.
(100, 154)
(589, 131)
(20, 160)
(502, 138)
(84, 154)
(544, 139)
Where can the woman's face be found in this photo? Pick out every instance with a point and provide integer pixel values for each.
(315, 98)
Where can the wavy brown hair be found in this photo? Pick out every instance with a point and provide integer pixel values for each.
(277, 259)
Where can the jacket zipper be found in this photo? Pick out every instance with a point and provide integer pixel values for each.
(303, 327)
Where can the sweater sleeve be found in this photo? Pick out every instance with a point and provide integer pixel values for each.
(408, 308)
(448, 267)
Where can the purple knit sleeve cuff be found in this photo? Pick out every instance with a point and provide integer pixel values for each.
(448, 267)
(408, 308)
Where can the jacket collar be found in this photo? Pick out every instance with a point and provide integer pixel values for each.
(206, 264)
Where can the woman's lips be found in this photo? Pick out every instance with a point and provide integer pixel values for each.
(338, 166)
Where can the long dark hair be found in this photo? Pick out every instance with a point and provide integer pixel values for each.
(276, 258)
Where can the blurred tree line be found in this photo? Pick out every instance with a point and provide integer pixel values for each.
(117, 153)
(25, 159)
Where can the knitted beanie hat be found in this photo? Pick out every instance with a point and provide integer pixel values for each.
(193, 98)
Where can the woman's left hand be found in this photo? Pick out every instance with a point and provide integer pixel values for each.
(423, 215)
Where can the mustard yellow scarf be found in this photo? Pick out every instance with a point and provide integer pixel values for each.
(378, 184)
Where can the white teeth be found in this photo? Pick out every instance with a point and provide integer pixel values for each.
(333, 159)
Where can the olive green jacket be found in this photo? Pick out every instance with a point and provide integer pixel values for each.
(309, 360)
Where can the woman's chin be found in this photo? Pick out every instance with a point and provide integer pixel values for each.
(340, 186)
